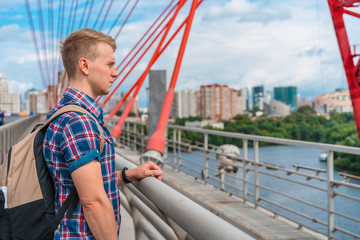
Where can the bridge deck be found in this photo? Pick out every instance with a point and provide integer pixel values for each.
(256, 222)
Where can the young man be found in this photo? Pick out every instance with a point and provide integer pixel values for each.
(72, 142)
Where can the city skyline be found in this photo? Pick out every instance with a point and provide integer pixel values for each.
(215, 102)
(240, 43)
(250, 98)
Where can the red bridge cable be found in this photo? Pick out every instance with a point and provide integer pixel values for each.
(52, 44)
(117, 68)
(121, 102)
(134, 65)
(118, 106)
(116, 131)
(90, 10)
(56, 57)
(35, 41)
(127, 18)
(60, 34)
(354, 14)
(128, 73)
(45, 52)
(157, 140)
(148, 32)
(118, 16)
(347, 3)
(336, 10)
(69, 20)
(83, 14)
(74, 15)
(98, 16)
(62, 19)
(42, 34)
(106, 14)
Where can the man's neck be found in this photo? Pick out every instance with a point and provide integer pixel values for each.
(82, 86)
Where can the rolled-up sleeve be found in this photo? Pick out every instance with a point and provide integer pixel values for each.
(80, 141)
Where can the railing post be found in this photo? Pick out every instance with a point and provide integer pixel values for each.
(135, 137)
(330, 173)
(245, 171)
(174, 148)
(165, 155)
(222, 179)
(256, 172)
(128, 134)
(179, 150)
(142, 139)
(206, 163)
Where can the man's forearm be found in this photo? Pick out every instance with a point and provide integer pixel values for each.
(101, 220)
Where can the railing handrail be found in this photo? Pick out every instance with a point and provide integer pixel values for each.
(135, 140)
(11, 133)
(283, 141)
(189, 215)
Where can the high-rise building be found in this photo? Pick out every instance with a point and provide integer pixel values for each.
(245, 98)
(236, 103)
(185, 104)
(9, 101)
(287, 95)
(258, 97)
(55, 92)
(268, 96)
(219, 102)
(38, 102)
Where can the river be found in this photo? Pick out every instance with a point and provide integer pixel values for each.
(287, 157)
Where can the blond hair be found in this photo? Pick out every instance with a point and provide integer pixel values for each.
(82, 43)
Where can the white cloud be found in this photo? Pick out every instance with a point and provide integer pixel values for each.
(230, 9)
(8, 30)
(237, 42)
(21, 87)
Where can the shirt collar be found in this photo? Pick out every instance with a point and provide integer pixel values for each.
(74, 96)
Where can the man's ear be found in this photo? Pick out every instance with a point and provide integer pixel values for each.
(84, 65)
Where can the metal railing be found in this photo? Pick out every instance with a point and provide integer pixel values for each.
(13, 132)
(158, 211)
(163, 213)
(251, 184)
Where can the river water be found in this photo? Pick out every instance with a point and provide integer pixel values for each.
(287, 157)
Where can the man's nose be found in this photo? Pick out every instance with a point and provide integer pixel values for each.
(114, 73)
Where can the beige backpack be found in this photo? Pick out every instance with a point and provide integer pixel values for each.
(27, 189)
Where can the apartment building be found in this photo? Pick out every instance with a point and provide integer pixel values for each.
(339, 101)
(9, 101)
(219, 102)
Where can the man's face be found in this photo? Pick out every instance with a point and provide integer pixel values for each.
(102, 72)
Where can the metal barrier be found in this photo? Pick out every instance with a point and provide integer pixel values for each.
(13, 132)
(160, 209)
(253, 170)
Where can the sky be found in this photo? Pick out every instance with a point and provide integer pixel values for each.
(240, 43)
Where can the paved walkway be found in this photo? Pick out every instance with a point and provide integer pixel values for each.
(256, 222)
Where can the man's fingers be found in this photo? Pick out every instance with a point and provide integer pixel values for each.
(153, 166)
(156, 173)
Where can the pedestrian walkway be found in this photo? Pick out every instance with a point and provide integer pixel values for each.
(258, 223)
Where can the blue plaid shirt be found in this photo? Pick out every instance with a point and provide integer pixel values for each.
(72, 140)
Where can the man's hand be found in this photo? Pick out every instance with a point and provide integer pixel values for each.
(145, 170)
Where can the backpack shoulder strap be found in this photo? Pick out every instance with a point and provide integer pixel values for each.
(76, 108)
